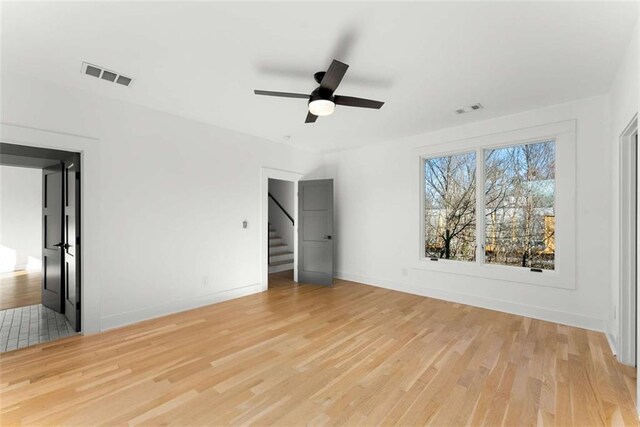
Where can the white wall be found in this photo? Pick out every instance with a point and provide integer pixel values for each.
(622, 106)
(376, 221)
(173, 195)
(283, 192)
(20, 218)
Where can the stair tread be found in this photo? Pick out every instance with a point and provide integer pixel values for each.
(283, 253)
(287, 261)
(279, 245)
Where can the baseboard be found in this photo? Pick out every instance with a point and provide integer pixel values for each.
(135, 316)
(612, 344)
(570, 319)
(19, 267)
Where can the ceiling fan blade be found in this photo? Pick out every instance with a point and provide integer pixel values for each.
(350, 101)
(311, 118)
(282, 94)
(333, 76)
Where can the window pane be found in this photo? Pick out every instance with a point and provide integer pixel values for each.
(519, 205)
(450, 207)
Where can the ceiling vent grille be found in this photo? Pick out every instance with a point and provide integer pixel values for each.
(469, 108)
(102, 73)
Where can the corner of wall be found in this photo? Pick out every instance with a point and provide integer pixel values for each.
(621, 106)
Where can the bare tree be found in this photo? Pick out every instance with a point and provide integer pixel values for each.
(450, 206)
(519, 190)
(521, 200)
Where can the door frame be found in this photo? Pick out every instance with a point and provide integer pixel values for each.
(90, 234)
(282, 175)
(627, 343)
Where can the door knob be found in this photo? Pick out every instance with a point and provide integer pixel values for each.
(328, 237)
(58, 245)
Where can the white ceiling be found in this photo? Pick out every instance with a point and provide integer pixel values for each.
(203, 60)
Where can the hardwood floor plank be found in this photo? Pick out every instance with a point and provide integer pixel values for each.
(20, 289)
(347, 355)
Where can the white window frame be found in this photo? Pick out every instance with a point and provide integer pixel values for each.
(564, 273)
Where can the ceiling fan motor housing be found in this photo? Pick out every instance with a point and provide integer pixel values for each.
(319, 93)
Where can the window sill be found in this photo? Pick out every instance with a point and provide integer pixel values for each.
(548, 278)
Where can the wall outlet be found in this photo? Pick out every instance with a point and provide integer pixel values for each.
(205, 281)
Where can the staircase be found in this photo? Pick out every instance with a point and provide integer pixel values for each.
(280, 257)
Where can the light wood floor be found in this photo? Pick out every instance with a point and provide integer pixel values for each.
(297, 355)
(19, 289)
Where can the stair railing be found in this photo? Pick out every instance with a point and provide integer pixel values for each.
(281, 208)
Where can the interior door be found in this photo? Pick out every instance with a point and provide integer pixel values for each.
(315, 232)
(71, 256)
(53, 238)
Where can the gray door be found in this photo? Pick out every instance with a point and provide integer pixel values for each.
(315, 232)
(53, 237)
(72, 243)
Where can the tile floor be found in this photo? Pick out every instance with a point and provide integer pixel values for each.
(29, 325)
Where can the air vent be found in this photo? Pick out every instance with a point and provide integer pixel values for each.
(469, 108)
(102, 73)
(123, 80)
(93, 71)
(108, 75)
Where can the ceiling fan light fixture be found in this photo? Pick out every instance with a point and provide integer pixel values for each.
(323, 100)
(321, 107)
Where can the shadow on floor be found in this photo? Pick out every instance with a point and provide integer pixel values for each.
(281, 279)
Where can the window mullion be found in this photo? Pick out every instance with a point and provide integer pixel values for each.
(480, 226)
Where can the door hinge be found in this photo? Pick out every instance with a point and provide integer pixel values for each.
(78, 305)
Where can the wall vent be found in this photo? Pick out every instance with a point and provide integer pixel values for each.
(104, 74)
(469, 108)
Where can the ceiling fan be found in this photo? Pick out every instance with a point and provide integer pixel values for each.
(322, 101)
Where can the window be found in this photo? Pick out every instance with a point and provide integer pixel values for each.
(519, 185)
(450, 207)
(519, 206)
(497, 206)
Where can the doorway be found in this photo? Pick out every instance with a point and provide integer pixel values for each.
(20, 237)
(268, 207)
(312, 217)
(39, 245)
(628, 244)
(282, 231)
